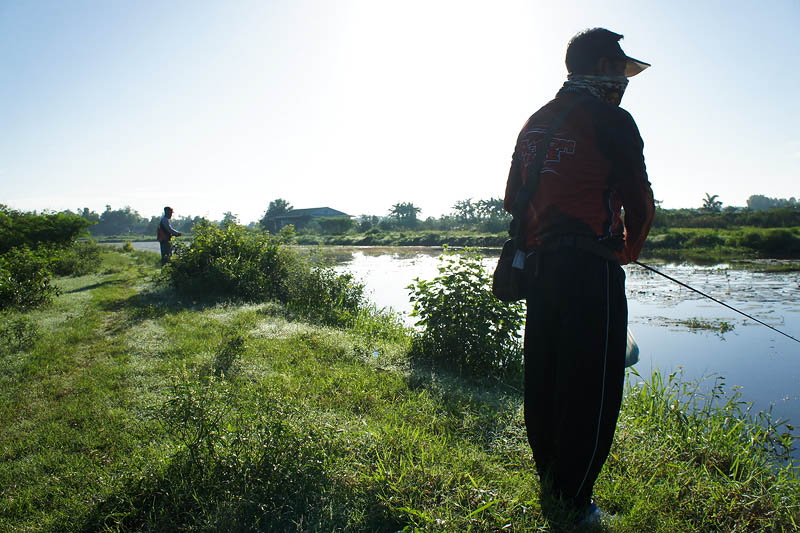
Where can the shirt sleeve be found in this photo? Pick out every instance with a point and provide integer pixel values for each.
(514, 183)
(629, 179)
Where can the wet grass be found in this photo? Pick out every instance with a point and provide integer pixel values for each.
(126, 410)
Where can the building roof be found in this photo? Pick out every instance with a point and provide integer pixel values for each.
(313, 212)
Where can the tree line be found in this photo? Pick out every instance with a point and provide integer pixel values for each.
(483, 215)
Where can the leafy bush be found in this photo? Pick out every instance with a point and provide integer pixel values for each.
(703, 240)
(253, 266)
(671, 239)
(17, 332)
(77, 260)
(32, 230)
(464, 327)
(230, 262)
(24, 279)
(780, 241)
(335, 225)
(775, 242)
(320, 294)
(33, 247)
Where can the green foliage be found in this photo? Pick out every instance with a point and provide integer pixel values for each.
(777, 242)
(464, 327)
(276, 208)
(759, 202)
(77, 260)
(229, 219)
(287, 235)
(670, 239)
(488, 215)
(127, 247)
(241, 465)
(229, 262)
(34, 247)
(18, 332)
(710, 203)
(24, 279)
(320, 294)
(405, 214)
(233, 262)
(232, 347)
(335, 225)
(313, 436)
(704, 240)
(120, 221)
(777, 217)
(34, 230)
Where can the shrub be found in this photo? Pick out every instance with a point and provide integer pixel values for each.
(17, 332)
(230, 262)
(703, 240)
(32, 230)
(671, 239)
(24, 279)
(127, 247)
(780, 241)
(77, 260)
(464, 327)
(775, 242)
(320, 294)
(335, 225)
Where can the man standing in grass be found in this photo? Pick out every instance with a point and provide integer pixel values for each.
(164, 235)
(577, 238)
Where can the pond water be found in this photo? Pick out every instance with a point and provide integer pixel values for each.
(765, 364)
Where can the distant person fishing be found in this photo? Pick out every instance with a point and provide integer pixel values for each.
(577, 163)
(164, 235)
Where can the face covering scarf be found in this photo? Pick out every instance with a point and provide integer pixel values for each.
(606, 88)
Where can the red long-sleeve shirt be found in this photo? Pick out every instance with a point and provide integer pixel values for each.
(594, 167)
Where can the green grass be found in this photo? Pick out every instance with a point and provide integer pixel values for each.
(131, 411)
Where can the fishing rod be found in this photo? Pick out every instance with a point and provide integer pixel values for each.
(682, 284)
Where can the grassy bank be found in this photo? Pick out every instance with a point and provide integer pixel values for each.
(123, 408)
(699, 245)
(677, 244)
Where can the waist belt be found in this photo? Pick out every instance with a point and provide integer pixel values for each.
(581, 242)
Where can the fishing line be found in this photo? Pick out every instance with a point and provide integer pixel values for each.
(651, 269)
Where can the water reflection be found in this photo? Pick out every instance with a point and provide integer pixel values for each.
(664, 318)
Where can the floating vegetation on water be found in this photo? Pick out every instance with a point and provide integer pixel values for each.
(770, 265)
(721, 326)
(695, 324)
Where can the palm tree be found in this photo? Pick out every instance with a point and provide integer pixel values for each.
(405, 213)
(710, 203)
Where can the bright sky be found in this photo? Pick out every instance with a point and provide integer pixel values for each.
(214, 106)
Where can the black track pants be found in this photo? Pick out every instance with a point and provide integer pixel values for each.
(575, 340)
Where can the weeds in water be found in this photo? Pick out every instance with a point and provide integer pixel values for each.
(719, 326)
(704, 446)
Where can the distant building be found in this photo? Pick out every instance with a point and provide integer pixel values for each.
(301, 217)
